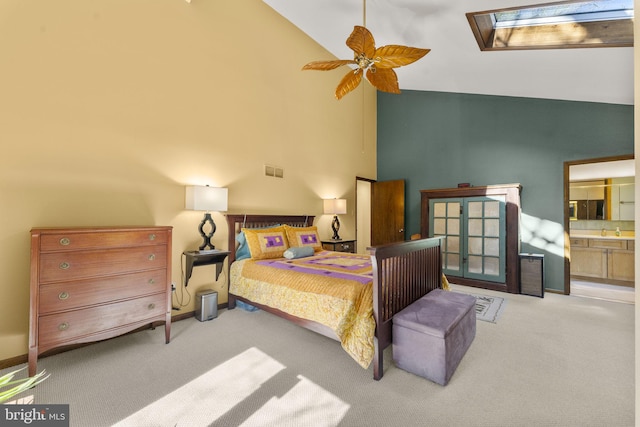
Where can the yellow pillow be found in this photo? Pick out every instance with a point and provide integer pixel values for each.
(266, 243)
(300, 237)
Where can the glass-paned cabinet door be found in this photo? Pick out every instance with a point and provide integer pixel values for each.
(484, 231)
(446, 221)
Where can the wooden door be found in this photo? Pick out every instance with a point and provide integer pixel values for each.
(387, 212)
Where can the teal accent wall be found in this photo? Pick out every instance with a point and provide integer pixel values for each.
(437, 140)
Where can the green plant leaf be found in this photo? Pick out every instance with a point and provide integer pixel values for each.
(18, 386)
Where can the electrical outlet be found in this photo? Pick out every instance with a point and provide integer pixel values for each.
(173, 287)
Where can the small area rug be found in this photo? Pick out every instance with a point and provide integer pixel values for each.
(489, 308)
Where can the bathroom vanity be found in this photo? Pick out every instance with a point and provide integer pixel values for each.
(605, 259)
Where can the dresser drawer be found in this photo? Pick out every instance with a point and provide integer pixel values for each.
(100, 240)
(68, 326)
(58, 266)
(80, 293)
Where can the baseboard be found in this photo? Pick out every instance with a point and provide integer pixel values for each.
(18, 360)
(13, 361)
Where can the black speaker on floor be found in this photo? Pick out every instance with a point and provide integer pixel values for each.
(532, 275)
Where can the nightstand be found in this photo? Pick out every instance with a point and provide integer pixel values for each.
(339, 245)
(197, 258)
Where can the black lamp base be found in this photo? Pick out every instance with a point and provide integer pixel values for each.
(335, 226)
(206, 238)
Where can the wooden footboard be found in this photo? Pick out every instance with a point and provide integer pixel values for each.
(402, 273)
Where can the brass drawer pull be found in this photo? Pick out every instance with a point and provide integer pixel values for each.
(152, 257)
(152, 281)
(63, 295)
(64, 265)
(63, 326)
(151, 306)
(65, 241)
(152, 236)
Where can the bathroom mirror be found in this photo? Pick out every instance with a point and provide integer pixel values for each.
(611, 199)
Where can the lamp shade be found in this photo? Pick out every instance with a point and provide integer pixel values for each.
(205, 198)
(335, 206)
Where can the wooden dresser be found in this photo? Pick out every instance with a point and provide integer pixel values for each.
(89, 284)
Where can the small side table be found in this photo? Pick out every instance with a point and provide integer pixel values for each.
(197, 258)
(339, 245)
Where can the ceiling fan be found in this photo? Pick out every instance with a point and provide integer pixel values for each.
(379, 63)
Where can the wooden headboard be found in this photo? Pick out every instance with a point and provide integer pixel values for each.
(237, 221)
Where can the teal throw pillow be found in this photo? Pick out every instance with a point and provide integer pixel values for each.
(299, 252)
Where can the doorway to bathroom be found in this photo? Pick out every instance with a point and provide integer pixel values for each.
(599, 219)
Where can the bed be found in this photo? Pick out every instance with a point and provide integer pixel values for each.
(395, 275)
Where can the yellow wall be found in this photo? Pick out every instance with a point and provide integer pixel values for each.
(108, 108)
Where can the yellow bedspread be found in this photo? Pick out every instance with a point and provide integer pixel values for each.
(331, 288)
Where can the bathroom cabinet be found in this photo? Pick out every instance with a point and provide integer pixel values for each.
(603, 260)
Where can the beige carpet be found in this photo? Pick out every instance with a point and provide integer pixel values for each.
(557, 361)
(603, 291)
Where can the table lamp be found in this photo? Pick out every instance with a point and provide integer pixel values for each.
(335, 207)
(208, 199)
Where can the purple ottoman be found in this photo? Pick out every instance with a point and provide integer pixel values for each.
(431, 335)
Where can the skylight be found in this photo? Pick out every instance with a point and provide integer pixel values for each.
(598, 23)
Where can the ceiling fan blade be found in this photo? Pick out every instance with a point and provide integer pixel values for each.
(383, 79)
(379, 63)
(327, 65)
(349, 83)
(392, 56)
(361, 41)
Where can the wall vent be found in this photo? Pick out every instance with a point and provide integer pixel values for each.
(273, 171)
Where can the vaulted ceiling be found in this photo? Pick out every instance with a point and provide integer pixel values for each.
(455, 63)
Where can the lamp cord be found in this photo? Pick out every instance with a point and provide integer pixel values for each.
(181, 300)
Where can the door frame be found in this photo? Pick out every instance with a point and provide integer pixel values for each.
(362, 246)
(567, 240)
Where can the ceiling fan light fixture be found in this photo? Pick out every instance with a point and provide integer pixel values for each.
(378, 63)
